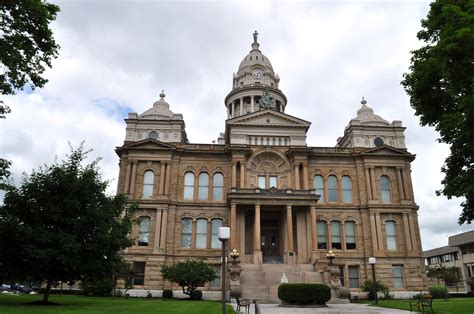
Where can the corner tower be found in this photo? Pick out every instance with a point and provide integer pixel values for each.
(254, 79)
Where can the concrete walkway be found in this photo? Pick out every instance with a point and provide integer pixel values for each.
(353, 308)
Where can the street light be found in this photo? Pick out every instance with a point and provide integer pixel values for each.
(223, 234)
(330, 256)
(372, 261)
(234, 255)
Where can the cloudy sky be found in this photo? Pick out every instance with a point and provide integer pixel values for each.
(116, 56)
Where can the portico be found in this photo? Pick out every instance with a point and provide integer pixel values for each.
(273, 225)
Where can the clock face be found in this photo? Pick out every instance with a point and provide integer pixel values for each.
(257, 73)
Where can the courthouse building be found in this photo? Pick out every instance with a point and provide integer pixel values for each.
(286, 203)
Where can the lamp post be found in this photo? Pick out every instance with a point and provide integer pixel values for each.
(330, 256)
(223, 234)
(234, 255)
(372, 261)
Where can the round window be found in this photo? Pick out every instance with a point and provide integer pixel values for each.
(378, 141)
(153, 135)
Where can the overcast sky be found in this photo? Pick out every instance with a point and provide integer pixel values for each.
(116, 57)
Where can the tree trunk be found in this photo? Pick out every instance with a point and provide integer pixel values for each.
(47, 292)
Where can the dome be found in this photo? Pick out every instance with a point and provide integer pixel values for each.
(366, 116)
(160, 110)
(255, 58)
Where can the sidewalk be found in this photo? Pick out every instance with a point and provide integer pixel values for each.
(353, 308)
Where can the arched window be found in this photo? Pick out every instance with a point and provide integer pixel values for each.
(336, 235)
(148, 179)
(215, 225)
(218, 187)
(333, 193)
(189, 186)
(153, 135)
(391, 235)
(143, 231)
(318, 184)
(203, 183)
(350, 235)
(385, 188)
(201, 233)
(186, 232)
(346, 189)
(321, 228)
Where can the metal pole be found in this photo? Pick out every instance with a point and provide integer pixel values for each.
(223, 277)
(375, 284)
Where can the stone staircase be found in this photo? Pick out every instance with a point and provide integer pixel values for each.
(261, 281)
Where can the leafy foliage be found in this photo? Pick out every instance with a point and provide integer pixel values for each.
(189, 274)
(441, 89)
(27, 44)
(438, 291)
(450, 275)
(59, 225)
(304, 293)
(196, 295)
(372, 289)
(167, 294)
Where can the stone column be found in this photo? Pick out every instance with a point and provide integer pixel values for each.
(233, 226)
(252, 103)
(132, 180)
(234, 174)
(407, 232)
(234, 105)
(167, 181)
(289, 223)
(372, 182)
(412, 224)
(126, 189)
(241, 105)
(380, 237)
(297, 177)
(368, 185)
(242, 175)
(157, 243)
(405, 186)
(401, 193)
(314, 239)
(162, 179)
(373, 229)
(305, 177)
(164, 225)
(256, 239)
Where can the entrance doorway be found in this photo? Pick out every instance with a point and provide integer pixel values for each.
(271, 240)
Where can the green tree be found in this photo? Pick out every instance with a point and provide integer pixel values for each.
(440, 87)
(189, 274)
(59, 225)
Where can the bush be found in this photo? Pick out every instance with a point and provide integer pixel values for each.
(167, 294)
(304, 293)
(196, 295)
(438, 291)
(101, 287)
(369, 287)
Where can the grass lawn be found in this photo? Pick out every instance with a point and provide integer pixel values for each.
(81, 304)
(440, 306)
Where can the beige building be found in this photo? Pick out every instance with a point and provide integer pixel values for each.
(286, 203)
(460, 254)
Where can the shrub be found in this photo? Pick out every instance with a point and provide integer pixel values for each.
(196, 295)
(438, 291)
(167, 294)
(101, 287)
(369, 287)
(304, 293)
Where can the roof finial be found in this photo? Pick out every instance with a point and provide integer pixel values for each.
(162, 94)
(363, 101)
(255, 35)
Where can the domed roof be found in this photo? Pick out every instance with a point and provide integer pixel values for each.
(366, 116)
(160, 110)
(255, 58)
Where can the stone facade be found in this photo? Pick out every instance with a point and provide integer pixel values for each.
(286, 203)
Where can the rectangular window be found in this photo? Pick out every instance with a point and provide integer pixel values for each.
(322, 238)
(336, 235)
(397, 273)
(201, 233)
(350, 235)
(186, 232)
(273, 181)
(261, 182)
(341, 276)
(216, 283)
(354, 277)
(215, 225)
(139, 273)
(391, 235)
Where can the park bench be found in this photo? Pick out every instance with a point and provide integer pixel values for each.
(242, 303)
(421, 302)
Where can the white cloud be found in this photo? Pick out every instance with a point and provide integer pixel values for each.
(117, 55)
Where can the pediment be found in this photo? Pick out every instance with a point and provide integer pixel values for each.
(268, 118)
(386, 150)
(150, 144)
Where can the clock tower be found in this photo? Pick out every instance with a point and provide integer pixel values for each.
(254, 80)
